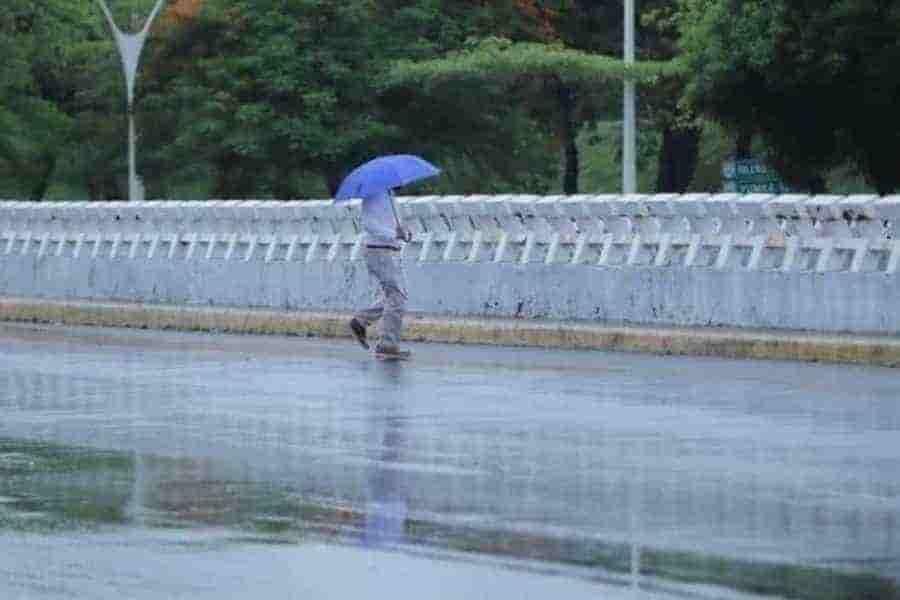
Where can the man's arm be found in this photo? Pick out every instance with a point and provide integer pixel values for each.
(402, 232)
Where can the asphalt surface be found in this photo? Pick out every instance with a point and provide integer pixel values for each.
(493, 472)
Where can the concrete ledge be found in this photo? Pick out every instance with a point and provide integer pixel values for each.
(726, 343)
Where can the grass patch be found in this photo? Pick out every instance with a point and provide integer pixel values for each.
(51, 487)
(18, 457)
(55, 487)
(789, 581)
(776, 579)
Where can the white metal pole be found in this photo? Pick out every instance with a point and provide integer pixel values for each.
(133, 193)
(130, 46)
(629, 133)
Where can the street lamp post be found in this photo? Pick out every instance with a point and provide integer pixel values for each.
(629, 122)
(130, 46)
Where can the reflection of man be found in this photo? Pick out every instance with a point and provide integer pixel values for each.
(386, 517)
(383, 236)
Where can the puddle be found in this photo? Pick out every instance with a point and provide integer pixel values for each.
(726, 474)
(58, 489)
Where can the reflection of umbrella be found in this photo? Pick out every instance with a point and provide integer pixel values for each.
(384, 173)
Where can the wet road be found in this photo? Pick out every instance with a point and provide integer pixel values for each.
(140, 464)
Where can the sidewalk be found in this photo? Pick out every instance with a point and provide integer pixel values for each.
(700, 341)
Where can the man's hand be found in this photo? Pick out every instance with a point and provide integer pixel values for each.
(404, 234)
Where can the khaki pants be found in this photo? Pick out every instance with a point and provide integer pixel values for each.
(386, 269)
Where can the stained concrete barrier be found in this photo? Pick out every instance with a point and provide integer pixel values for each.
(721, 342)
(795, 265)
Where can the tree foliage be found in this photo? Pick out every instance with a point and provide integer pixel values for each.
(265, 113)
(280, 98)
(42, 45)
(816, 80)
(562, 86)
(502, 60)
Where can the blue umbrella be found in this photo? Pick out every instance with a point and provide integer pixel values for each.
(384, 173)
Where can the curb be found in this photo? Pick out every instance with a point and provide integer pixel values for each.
(718, 342)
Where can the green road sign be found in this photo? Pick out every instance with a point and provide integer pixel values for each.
(750, 176)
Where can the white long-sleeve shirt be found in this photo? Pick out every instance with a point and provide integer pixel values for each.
(379, 220)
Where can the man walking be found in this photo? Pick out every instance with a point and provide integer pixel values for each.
(383, 236)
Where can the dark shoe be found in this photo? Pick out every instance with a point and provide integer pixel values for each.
(359, 332)
(391, 352)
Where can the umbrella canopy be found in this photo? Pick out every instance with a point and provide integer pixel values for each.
(384, 173)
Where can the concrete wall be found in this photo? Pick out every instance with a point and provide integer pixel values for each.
(789, 262)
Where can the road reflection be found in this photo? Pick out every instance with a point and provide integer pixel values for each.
(385, 521)
(638, 475)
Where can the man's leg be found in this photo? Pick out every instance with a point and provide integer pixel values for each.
(370, 315)
(389, 272)
(364, 318)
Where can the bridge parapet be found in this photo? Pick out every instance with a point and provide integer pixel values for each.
(720, 231)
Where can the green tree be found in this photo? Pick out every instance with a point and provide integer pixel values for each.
(678, 126)
(465, 127)
(280, 97)
(61, 99)
(274, 90)
(562, 87)
(816, 81)
(41, 46)
(596, 27)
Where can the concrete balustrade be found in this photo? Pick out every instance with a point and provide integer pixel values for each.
(725, 231)
(792, 261)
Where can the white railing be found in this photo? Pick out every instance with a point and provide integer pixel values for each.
(724, 231)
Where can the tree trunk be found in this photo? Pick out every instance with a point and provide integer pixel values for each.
(884, 188)
(283, 187)
(568, 136)
(333, 179)
(44, 174)
(104, 186)
(232, 179)
(743, 147)
(678, 159)
(816, 185)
